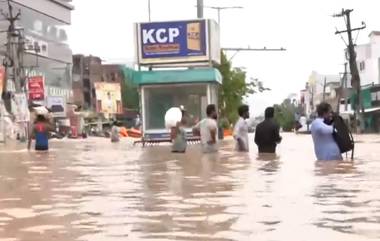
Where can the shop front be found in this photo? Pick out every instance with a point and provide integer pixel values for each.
(160, 90)
(371, 102)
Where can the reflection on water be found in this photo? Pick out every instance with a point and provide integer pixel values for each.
(95, 190)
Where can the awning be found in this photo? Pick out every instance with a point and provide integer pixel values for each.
(368, 110)
(372, 109)
(202, 75)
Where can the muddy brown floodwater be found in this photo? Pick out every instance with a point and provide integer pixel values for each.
(93, 190)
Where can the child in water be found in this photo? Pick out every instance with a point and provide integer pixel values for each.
(40, 132)
(178, 135)
(115, 137)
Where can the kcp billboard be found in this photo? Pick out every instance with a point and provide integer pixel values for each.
(174, 42)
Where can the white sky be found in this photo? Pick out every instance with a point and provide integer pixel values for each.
(304, 27)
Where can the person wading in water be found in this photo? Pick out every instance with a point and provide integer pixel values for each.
(40, 132)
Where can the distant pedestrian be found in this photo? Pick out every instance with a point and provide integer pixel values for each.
(40, 132)
(137, 121)
(241, 129)
(115, 132)
(178, 135)
(267, 134)
(207, 129)
(322, 130)
(297, 124)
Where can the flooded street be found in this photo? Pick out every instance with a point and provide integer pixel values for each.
(93, 190)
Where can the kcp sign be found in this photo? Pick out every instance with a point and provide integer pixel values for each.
(179, 39)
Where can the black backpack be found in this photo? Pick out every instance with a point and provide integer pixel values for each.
(343, 136)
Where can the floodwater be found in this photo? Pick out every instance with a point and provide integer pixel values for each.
(93, 190)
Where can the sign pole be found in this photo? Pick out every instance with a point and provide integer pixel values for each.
(200, 8)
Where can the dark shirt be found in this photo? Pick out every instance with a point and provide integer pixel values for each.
(267, 136)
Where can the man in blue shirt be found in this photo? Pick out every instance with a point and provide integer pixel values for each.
(325, 146)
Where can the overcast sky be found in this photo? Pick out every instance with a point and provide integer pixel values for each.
(304, 27)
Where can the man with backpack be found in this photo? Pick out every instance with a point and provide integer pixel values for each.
(322, 130)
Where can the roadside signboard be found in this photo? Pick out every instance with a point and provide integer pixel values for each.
(177, 42)
(57, 105)
(108, 98)
(36, 88)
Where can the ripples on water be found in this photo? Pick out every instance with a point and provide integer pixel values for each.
(95, 190)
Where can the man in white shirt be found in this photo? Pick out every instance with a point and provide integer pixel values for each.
(207, 129)
(241, 130)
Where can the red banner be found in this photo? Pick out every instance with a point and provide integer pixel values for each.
(36, 88)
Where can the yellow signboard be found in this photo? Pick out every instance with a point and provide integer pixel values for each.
(108, 98)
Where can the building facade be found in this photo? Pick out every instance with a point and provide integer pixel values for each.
(95, 84)
(320, 87)
(368, 60)
(47, 54)
(87, 70)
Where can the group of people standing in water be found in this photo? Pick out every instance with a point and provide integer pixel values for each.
(267, 134)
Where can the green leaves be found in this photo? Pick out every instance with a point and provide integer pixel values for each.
(284, 115)
(234, 88)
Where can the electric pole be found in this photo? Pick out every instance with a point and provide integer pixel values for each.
(200, 8)
(149, 13)
(355, 77)
(10, 61)
(15, 49)
(14, 70)
(342, 90)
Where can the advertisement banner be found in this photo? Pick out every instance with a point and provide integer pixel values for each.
(34, 46)
(108, 97)
(160, 42)
(36, 88)
(57, 105)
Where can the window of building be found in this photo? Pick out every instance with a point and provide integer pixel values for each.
(159, 100)
(87, 99)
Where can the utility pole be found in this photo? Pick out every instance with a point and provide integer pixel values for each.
(15, 49)
(13, 63)
(149, 16)
(9, 59)
(200, 8)
(345, 87)
(342, 90)
(355, 77)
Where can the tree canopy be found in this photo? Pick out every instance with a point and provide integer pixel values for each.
(234, 89)
(285, 114)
